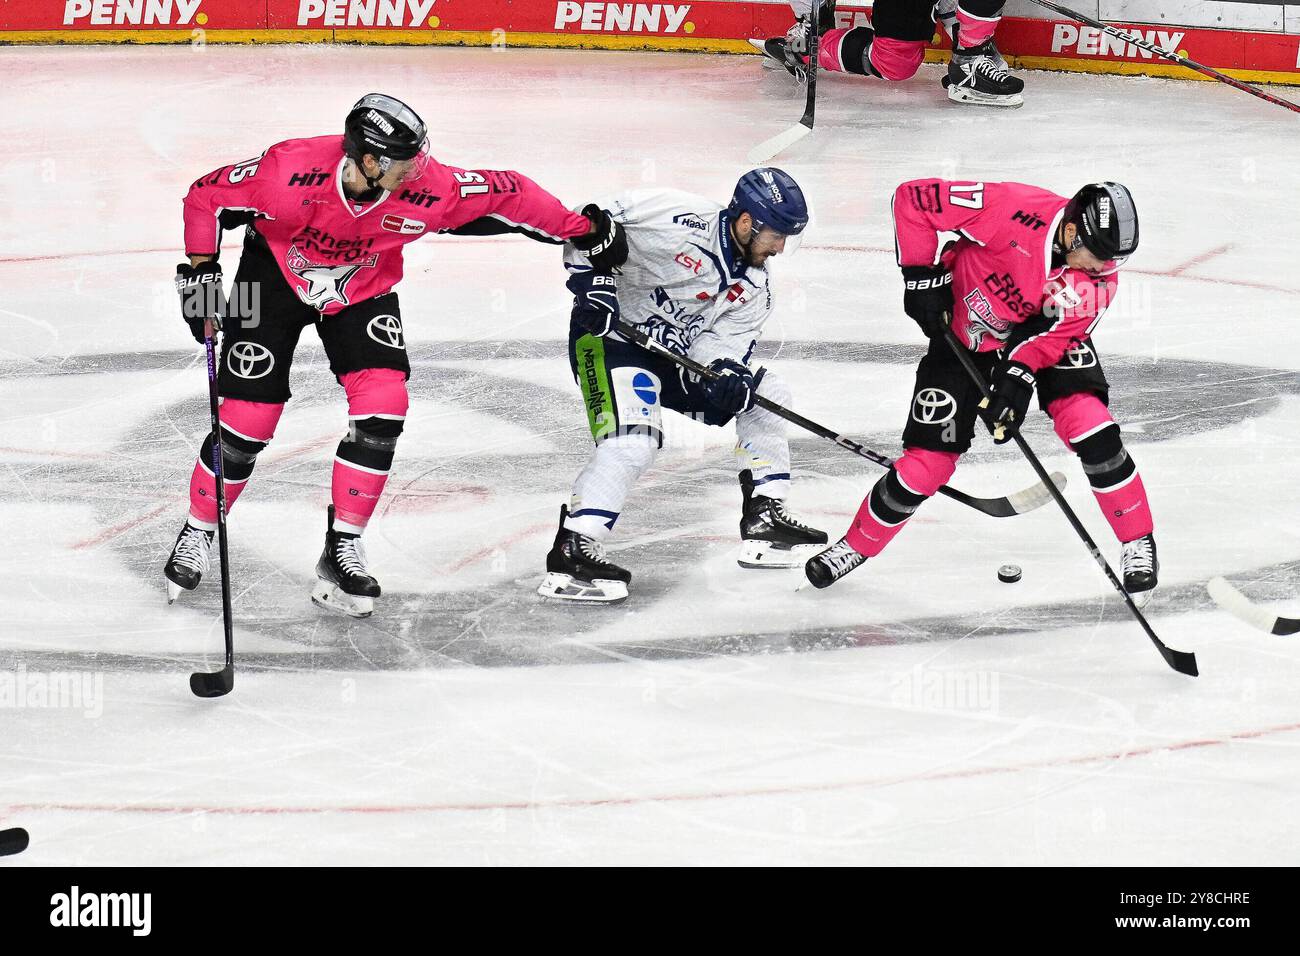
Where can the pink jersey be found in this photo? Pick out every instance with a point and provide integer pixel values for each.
(335, 251)
(1001, 263)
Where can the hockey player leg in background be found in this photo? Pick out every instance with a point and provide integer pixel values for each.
(319, 252)
(893, 47)
(696, 281)
(1020, 344)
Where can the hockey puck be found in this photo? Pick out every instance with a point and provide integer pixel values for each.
(13, 841)
(1009, 573)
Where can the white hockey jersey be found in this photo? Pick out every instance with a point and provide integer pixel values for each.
(685, 283)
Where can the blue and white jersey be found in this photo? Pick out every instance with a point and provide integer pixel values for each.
(685, 282)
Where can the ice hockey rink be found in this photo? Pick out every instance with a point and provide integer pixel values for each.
(919, 712)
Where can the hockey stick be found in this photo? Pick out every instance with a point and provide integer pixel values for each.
(1033, 497)
(221, 682)
(13, 841)
(765, 151)
(1182, 661)
(1240, 606)
(1165, 54)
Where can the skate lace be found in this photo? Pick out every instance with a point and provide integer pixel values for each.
(1139, 556)
(841, 558)
(796, 38)
(779, 509)
(192, 549)
(351, 556)
(592, 549)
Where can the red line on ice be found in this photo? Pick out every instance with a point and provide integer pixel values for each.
(109, 533)
(580, 802)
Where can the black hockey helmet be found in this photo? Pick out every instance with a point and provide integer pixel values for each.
(387, 129)
(1107, 221)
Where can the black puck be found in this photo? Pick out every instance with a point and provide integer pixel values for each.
(13, 841)
(1009, 573)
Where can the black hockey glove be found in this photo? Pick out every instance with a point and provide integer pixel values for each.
(1012, 388)
(201, 295)
(595, 301)
(606, 248)
(732, 390)
(927, 297)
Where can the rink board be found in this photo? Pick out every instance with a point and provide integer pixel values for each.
(709, 26)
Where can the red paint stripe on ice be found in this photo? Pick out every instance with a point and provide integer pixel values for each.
(109, 533)
(581, 802)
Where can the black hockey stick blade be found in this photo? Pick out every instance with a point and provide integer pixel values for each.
(13, 841)
(218, 684)
(1242, 607)
(1182, 661)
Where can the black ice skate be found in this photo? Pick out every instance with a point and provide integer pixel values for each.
(770, 537)
(1140, 568)
(945, 13)
(343, 584)
(577, 569)
(188, 561)
(974, 77)
(826, 568)
(791, 50)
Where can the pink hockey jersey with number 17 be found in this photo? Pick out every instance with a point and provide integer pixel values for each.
(1001, 264)
(334, 251)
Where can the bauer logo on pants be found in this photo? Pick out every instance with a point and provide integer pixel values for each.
(250, 360)
(386, 330)
(933, 406)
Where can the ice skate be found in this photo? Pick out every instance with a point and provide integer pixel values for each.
(577, 570)
(770, 536)
(343, 582)
(974, 77)
(829, 566)
(1140, 568)
(188, 562)
(945, 14)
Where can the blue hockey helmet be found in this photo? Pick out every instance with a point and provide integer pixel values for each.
(773, 199)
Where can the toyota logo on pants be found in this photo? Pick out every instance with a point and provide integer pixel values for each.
(386, 330)
(249, 360)
(1078, 356)
(933, 406)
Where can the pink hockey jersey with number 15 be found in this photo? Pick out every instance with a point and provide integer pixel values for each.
(334, 251)
(1001, 264)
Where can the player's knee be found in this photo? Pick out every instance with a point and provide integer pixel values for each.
(1105, 460)
(896, 59)
(631, 453)
(376, 432)
(251, 421)
(921, 471)
(1076, 417)
(376, 391)
(238, 454)
(774, 388)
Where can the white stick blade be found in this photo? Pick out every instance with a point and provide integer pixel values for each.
(768, 149)
(1240, 606)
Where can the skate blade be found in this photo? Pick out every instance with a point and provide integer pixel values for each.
(174, 591)
(1142, 598)
(764, 554)
(565, 587)
(962, 94)
(333, 598)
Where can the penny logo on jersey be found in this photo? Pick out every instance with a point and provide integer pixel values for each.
(136, 13)
(364, 13)
(623, 17)
(981, 320)
(325, 284)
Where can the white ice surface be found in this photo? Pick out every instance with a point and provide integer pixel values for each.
(918, 712)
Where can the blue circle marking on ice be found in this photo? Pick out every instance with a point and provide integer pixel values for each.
(645, 387)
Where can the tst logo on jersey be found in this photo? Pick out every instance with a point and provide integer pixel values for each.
(622, 17)
(685, 259)
(364, 13)
(326, 285)
(133, 12)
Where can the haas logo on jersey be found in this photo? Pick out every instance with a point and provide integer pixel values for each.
(326, 285)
